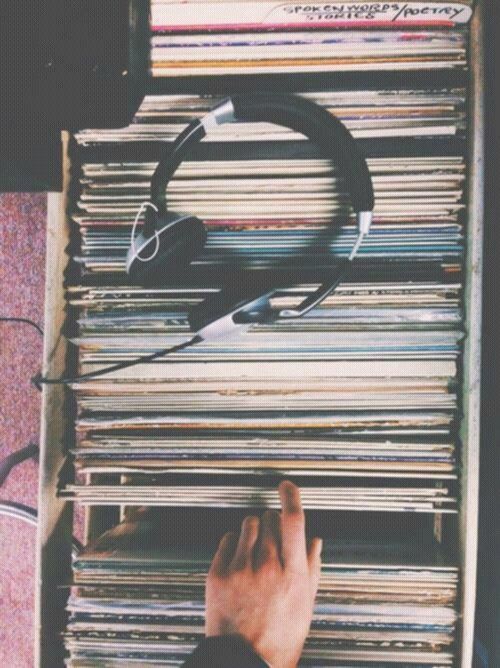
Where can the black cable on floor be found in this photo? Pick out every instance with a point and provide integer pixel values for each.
(24, 320)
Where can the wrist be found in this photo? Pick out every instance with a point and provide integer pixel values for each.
(234, 647)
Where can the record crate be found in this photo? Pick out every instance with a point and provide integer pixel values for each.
(58, 413)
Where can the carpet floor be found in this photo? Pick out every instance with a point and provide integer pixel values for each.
(22, 278)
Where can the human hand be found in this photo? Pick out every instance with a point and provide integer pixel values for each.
(262, 585)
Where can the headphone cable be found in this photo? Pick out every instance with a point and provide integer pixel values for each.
(27, 321)
(40, 380)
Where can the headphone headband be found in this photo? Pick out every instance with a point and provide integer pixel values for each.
(291, 111)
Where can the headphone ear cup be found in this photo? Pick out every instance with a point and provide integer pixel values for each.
(177, 241)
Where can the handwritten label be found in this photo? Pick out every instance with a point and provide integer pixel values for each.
(390, 12)
(241, 14)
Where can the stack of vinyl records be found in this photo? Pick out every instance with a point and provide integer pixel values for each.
(369, 113)
(356, 402)
(139, 599)
(240, 38)
(363, 387)
(280, 222)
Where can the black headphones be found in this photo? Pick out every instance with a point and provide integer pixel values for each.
(169, 241)
(172, 240)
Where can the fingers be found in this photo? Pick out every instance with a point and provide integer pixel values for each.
(314, 553)
(136, 513)
(314, 561)
(224, 554)
(246, 543)
(277, 537)
(269, 544)
(293, 533)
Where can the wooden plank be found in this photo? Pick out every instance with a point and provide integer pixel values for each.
(469, 431)
(53, 563)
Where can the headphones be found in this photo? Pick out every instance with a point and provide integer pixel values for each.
(170, 241)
